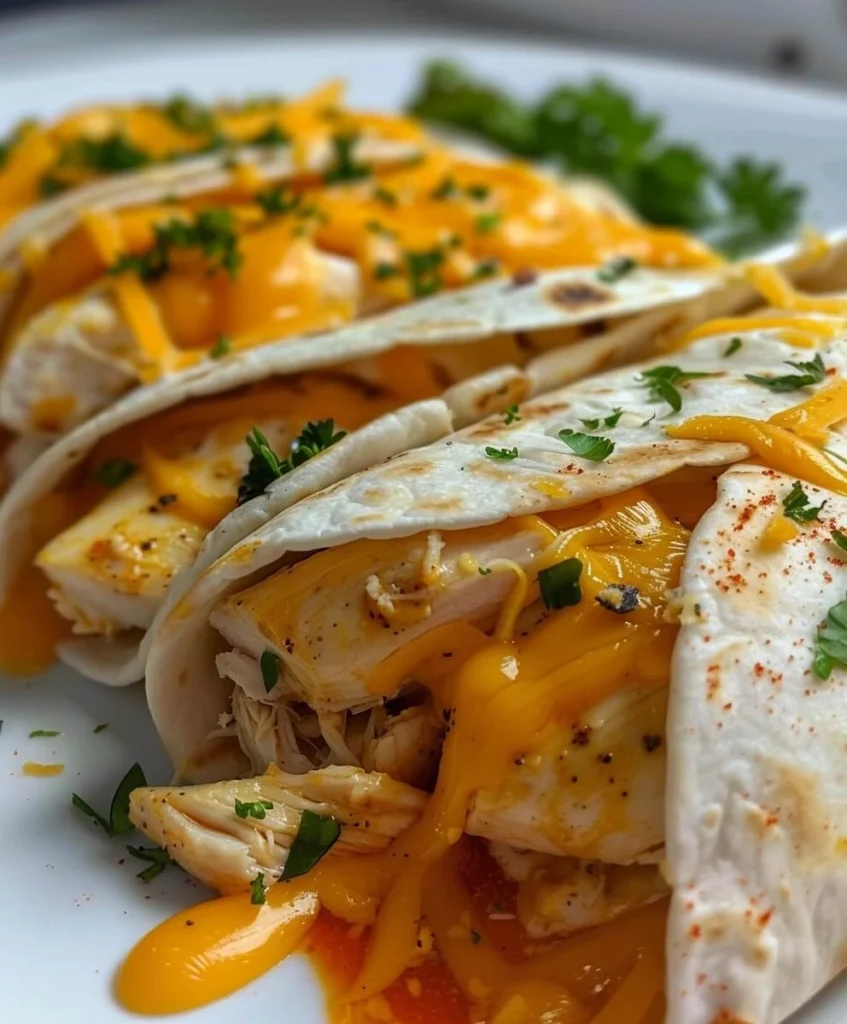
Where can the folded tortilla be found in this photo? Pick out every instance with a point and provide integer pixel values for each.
(125, 279)
(592, 629)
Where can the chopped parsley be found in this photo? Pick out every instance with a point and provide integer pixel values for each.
(51, 185)
(424, 271)
(157, 860)
(446, 188)
(587, 446)
(378, 228)
(212, 232)
(278, 200)
(795, 505)
(265, 466)
(485, 572)
(478, 191)
(733, 346)
(114, 472)
(559, 584)
(501, 454)
(253, 809)
(661, 383)
(488, 222)
(615, 269)
(384, 270)
(258, 890)
(810, 373)
(839, 539)
(118, 822)
(273, 135)
(607, 421)
(512, 413)
(100, 727)
(384, 195)
(484, 269)
(345, 166)
(38, 733)
(107, 155)
(189, 115)
(316, 835)
(269, 664)
(598, 129)
(831, 644)
(221, 348)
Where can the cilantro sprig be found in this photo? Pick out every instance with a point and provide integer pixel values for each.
(265, 465)
(813, 372)
(831, 642)
(118, 823)
(662, 384)
(796, 505)
(587, 446)
(598, 129)
(607, 421)
(316, 835)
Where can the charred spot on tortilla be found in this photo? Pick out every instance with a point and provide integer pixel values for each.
(619, 598)
(578, 294)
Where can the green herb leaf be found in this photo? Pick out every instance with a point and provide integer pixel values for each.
(795, 505)
(119, 822)
(587, 446)
(607, 421)
(512, 413)
(384, 195)
(273, 135)
(446, 188)
(839, 539)
(485, 572)
(761, 205)
(252, 809)
(36, 733)
(213, 232)
(265, 465)
(382, 271)
(501, 454)
(114, 472)
(345, 166)
(559, 584)
(151, 872)
(484, 269)
(476, 938)
(478, 191)
(734, 345)
(615, 269)
(258, 890)
(662, 381)
(51, 185)
(87, 809)
(831, 645)
(100, 727)
(221, 348)
(813, 372)
(279, 200)
(107, 155)
(488, 222)
(424, 271)
(157, 858)
(189, 115)
(269, 663)
(316, 835)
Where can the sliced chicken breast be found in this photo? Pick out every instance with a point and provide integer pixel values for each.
(200, 829)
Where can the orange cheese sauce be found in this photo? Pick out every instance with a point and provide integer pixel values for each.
(406, 228)
(506, 697)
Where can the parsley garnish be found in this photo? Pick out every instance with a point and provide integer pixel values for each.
(114, 472)
(831, 645)
(615, 269)
(157, 859)
(212, 232)
(424, 271)
(265, 465)
(316, 835)
(487, 222)
(446, 188)
(273, 135)
(221, 348)
(734, 345)
(189, 115)
(100, 727)
(258, 890)
(662, 380)
(269, 664)
(485, 572)
(839, 539)
(478, 191)
(587, 446)
(107, 155)
(118, 822)
(278, 200)
(608, 421)
(501, 454)
(345, 167)
(37, 733)
(795, 505)
(384, 195)
(810, 373)
(253, 809)
(512, 413)
(51, 185)
(598, 129)
(383, 271)
(559, 584)
(484, 269)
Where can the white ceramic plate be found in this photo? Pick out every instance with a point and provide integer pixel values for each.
(70, 905)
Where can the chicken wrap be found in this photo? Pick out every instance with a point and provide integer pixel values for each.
(238, 227)
(550, 703)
